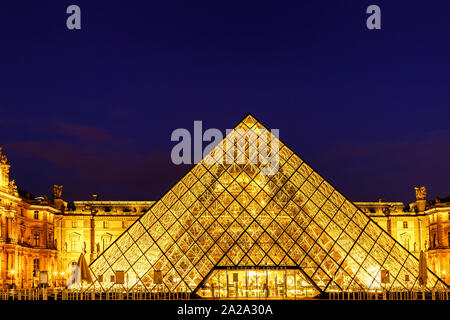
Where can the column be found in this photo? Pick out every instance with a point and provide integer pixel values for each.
(420, 235)
(4, 227)
(10, 257)
(389, 226)
(92, 255)
(440, 231)
(1, 269)
(8, 228)
(45, 231)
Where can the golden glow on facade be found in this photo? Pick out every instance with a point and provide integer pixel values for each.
(91, 226)
(26, 235)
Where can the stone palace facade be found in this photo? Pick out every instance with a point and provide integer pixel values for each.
(47, 235)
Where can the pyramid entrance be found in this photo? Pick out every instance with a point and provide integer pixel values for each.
(257, 283)
(235, 230)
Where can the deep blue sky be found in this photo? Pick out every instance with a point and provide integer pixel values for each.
(94, 109)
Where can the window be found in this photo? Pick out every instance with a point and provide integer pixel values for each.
(405, 238)
(406, 243)
(74, 224)
(105, 224)
(405, 224)
(124, 224)
(105, 242)
(35, 267)
(36, 239)
(36, 215)
(74, 244)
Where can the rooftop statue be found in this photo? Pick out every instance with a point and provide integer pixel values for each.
(12, 188)
(3, 158)
(421, 193)
(57, 191)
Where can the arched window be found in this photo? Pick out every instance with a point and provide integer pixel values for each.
(74, 244)
(405, 238)
(36, 239)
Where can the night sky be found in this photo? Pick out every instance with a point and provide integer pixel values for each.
(94, 109)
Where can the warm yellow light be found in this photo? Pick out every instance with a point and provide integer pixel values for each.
(55, 273)
(62, 273)
(373, 271)
(11, 271)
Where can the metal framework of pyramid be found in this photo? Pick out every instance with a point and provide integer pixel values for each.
(232, 217)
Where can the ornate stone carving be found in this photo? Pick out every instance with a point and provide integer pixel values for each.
(3, 159)
(5, 184)
(57, 191)
(421, 193)
(12, 188)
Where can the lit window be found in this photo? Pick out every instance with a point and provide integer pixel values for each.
(406, 243)
(105, 224)
(105, 242)
(124, 224)
(35, 267)
(74, 244)
(405, 224)
(74, 224)
(36, 215)
(36, 238)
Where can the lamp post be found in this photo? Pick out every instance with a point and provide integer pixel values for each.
(12, 278)
(62, 278)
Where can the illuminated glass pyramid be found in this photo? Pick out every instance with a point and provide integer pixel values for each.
(228, 230)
